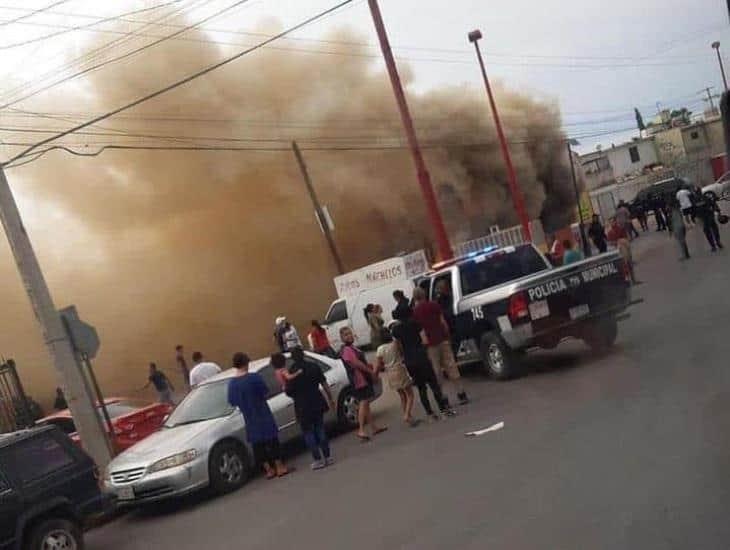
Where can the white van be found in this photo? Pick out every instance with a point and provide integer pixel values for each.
(350, 312)
(373, 284)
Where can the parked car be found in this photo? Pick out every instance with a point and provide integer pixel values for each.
(48, 491)
(720, 190)
(132, 420)
(664, 188)
(203, 442)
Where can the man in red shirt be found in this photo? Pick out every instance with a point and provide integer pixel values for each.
(617, 236)
(430, 317)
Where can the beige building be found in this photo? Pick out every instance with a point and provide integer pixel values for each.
(684, 151)
(619, 163)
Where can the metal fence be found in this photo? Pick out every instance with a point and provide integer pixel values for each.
(15, 410)
(505, 237)
(502, 237)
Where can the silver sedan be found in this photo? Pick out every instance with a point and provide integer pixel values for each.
(203, 442)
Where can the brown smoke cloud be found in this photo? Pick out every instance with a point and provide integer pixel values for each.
(206, 249)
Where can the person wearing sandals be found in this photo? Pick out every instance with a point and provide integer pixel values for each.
(362, 376)
(390, 361)
(248, 392)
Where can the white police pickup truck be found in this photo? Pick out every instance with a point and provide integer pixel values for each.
(506, 301)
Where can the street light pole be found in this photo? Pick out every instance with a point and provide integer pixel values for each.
(586, 246)
(517, 198)
(716, 47)
(424, 178)
(57, 340)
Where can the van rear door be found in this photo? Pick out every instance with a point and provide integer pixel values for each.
(335, 319)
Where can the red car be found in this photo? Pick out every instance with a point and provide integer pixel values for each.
(132, 420)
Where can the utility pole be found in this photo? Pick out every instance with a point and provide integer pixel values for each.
(323, 222)
(709, 97)
(586, 246)
(424, 178)
(55, 336)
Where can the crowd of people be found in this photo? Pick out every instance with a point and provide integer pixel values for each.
(675, 214)
(412, 352)
(679, 212)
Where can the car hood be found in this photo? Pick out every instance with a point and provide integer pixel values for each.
(165, 442)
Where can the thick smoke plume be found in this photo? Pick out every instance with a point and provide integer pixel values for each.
(207, 248)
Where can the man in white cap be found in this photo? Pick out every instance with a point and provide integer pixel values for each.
(285, 335)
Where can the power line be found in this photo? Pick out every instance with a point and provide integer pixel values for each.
(625, 64)
(126, 55)
(32, 13)
(183, 81)
(87, 26)
(89, 56)
(103, 146)
(455, 51)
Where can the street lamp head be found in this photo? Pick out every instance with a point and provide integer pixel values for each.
(475, 35)
(716, 45)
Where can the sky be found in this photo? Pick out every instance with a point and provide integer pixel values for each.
(597, 60)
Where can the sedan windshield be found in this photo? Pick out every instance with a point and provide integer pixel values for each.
(203, 403)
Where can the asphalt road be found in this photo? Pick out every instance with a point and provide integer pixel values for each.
(630, 450)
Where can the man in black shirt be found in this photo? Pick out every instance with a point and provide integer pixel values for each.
(60, 403)
(408, 335)
(162, 384)
(597, 233)
(705, 209)
(403, 308)
(310, 406)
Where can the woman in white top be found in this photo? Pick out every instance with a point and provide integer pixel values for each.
(390, 360)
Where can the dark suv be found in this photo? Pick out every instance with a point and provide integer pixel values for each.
(48, 491)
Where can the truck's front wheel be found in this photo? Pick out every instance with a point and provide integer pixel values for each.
(499, 360)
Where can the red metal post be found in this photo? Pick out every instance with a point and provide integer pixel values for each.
(517, 198)
(424, 179)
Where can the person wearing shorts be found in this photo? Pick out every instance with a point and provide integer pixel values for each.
(430, 317)
(362, 382)
(248, 392)
(390, 361)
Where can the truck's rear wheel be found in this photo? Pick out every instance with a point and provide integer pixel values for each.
(500, 361)
(601, 334)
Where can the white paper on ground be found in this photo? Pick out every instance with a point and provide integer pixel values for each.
(494, 428)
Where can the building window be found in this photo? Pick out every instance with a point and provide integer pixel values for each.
(695, 135)
(601, 164)
(634, 154)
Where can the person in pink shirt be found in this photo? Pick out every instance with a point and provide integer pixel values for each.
(362, 376)
(278, 361)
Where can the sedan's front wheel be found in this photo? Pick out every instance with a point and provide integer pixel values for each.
(348, 409)
(228, 467)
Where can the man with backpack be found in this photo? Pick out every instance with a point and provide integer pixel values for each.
(362, 378)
